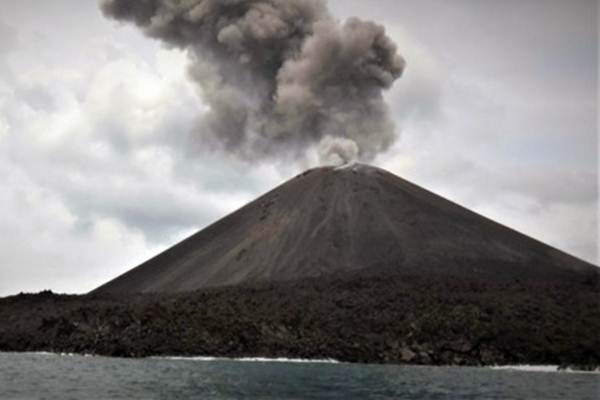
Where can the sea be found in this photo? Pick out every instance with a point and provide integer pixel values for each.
(55, 376)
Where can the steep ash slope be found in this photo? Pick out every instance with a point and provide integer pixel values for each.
(356, 218)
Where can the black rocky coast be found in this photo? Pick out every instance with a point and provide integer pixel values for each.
(383, 318)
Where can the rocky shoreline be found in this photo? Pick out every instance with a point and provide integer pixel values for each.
(368, 319)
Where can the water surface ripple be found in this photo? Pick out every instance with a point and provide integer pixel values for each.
(44, 376)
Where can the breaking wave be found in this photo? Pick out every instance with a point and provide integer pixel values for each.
(253, 359)
(542, 368)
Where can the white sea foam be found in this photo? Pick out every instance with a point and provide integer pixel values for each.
(51, 354)
(253, 359)
(542, 368)
(519, 368)
(40, 353)
(202, 358)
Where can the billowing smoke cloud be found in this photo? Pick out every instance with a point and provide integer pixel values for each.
(337, 151)
(279, 76)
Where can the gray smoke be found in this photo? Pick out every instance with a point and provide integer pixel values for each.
(279, 76)
(337, 151)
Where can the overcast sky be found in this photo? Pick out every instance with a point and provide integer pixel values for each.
(497, 111)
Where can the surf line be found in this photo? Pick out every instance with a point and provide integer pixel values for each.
(252, 359)
(542, 368)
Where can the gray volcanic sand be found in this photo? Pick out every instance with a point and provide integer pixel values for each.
(341, 220)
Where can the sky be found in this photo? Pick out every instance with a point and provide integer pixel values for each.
(497, 111)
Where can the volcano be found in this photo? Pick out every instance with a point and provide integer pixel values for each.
(353, 264)
(356, 218)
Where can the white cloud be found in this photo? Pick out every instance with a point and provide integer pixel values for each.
(516, 143)
(42, 247)
(94, 176)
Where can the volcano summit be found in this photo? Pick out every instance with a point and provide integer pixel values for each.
(350, 219)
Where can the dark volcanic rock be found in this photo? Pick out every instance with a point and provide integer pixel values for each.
(382, 318)
(331, 220)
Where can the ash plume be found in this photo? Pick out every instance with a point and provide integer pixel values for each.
(279, 76)
(337, 151)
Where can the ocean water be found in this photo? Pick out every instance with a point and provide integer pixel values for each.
(47, 376)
